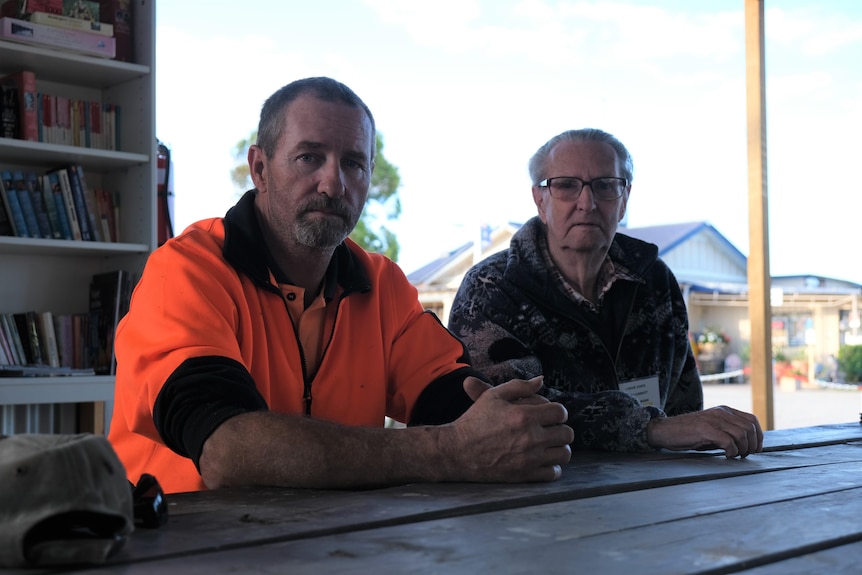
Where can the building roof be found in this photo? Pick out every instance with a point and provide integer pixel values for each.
(690, 259)
(669, 236)
(432, 268)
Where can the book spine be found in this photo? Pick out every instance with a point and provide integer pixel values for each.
(72, 40)
(24, 83)
(10, 228)
(119, 14)
(19, 189)
(48, 19)
(49, 338)
(9, 112)
(80, 204)
(68, 197)
(53, 184)
(4, 359)
(34, 189)
(7, 347)
(7, 228)
(15, 344)
(28, 333)
(106, 214)
(65, 340)
(51, 208)
(90, 204)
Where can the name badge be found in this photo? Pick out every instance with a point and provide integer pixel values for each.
(645, 389)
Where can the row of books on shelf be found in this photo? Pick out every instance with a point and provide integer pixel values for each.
(49, 343)
(100, 28)
(57, 205)
(38, 117)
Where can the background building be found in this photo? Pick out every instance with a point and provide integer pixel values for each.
(812, 316)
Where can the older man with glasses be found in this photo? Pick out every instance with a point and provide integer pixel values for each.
(596, 312)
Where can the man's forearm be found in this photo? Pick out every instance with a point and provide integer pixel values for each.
(311, 453)
(508, 435)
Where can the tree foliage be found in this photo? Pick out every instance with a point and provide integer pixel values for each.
(382, 203)
(850, 362)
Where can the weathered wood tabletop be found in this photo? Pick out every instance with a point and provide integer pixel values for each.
(795, 508)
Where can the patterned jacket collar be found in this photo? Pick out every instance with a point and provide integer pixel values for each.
(246, 251)
(627, 253)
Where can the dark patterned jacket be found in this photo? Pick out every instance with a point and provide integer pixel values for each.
(517, 322)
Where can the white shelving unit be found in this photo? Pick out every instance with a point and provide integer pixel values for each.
(54, 275)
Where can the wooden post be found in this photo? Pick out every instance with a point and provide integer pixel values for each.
(759, 308)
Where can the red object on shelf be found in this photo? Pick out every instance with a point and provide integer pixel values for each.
(165, 195)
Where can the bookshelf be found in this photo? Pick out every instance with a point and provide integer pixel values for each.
(54, 275)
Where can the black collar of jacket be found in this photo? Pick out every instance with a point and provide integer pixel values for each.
(246, 251)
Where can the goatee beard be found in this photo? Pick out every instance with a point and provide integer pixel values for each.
(329, 232)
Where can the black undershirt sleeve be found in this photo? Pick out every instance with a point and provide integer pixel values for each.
(444, 400)
(201, 394)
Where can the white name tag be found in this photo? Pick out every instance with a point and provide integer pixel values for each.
(645, 389)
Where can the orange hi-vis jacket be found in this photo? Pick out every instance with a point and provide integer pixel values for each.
(208, 336)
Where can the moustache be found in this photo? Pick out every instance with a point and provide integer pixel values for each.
(336, 206)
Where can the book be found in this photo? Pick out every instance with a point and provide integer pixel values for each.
(8, 358)
(7, 218)
(28, 332)
(107, 215)
(19, 189)
(69, 22)
(8, 112)
(52, 195)
(77, 171)
(81, 9)
(65, 339)
(80, 335)
(69, 200)
(11, 196)
(4, 359)
(34, 189)
(107, 292)
(48, 339)
(23, 83)
(10, 330)
(20, 8)
(51, 36)
(80, 203)
(118, 13)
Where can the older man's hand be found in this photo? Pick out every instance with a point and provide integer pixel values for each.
(736, 432)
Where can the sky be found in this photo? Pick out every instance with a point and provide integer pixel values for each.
(465, 91)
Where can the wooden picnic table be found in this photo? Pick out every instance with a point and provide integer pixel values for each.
(795, 508)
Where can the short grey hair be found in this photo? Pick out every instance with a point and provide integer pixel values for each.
(271, 125)
(539, 161)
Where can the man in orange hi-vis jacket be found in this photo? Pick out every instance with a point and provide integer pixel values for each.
(266, 348)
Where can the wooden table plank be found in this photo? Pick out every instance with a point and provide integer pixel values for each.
(247, 519)
(727, 525)
(812, 436)
(841, 560)
(237, 519)
(268, 514)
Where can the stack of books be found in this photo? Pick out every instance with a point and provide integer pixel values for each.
(28, 114)
(57, 205)
(46, 343)
(96, 28)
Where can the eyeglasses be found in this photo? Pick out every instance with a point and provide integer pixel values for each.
(568, 189)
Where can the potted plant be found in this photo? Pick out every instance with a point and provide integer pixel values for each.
(712, 343)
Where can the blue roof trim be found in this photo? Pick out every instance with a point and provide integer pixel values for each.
(669, 236)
